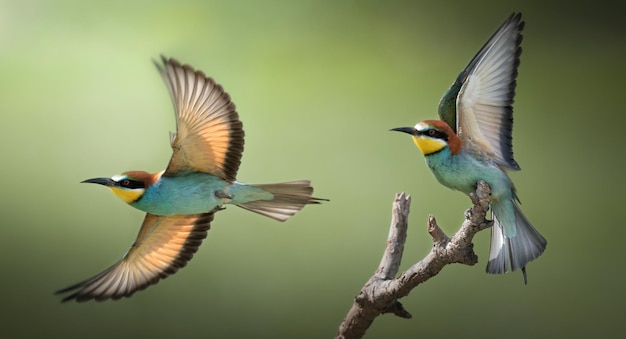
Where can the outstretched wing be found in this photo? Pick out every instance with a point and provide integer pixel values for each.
(164, 245)
(479, 105)
(209, 136)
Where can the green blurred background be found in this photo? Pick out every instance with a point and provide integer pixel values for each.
(317, 85)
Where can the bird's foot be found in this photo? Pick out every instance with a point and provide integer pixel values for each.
(223, 195)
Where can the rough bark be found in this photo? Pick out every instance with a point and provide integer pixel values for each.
(381, 292)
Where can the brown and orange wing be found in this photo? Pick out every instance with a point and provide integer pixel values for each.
(209, 136)
(163, 246)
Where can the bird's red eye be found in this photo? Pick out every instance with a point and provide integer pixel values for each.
(432, 132)
(130, 184)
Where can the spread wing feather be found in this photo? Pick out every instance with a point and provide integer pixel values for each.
(209, 136)
(479, 105)
(163, 246)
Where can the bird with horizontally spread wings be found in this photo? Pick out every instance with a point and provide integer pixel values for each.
(181, 201)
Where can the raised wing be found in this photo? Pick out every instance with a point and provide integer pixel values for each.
(209, 135)
(486, 89)
(164, 245)
(447, 105)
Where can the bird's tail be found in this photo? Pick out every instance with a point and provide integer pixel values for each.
(509, 253)
(289, 198)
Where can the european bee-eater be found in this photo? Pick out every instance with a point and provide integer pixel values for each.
(473, 142)
(180, 202)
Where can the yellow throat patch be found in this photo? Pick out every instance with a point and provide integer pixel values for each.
(429, 145)
(128, 195)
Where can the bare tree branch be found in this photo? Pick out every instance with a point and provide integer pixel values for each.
(381, 292)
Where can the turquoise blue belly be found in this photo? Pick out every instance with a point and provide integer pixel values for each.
(195, 192)
(462, 171)
(185, 194)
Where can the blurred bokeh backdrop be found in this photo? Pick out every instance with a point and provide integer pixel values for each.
(317, 85)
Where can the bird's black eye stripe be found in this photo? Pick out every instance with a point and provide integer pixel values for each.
(132, 184)
(433, 133)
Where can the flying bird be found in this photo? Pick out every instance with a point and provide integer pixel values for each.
(180, 202)
(473, 141)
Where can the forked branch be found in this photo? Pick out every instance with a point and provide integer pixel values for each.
(381, 292)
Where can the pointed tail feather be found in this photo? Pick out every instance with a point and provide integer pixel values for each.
(509, 254)
(289, 198)
(499, 253)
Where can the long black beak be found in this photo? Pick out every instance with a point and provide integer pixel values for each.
(102, 181)
(408, 130)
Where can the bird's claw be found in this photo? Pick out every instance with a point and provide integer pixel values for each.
(223, 195)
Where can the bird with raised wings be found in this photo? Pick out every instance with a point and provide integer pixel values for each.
(181, 201)
(473, 142)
